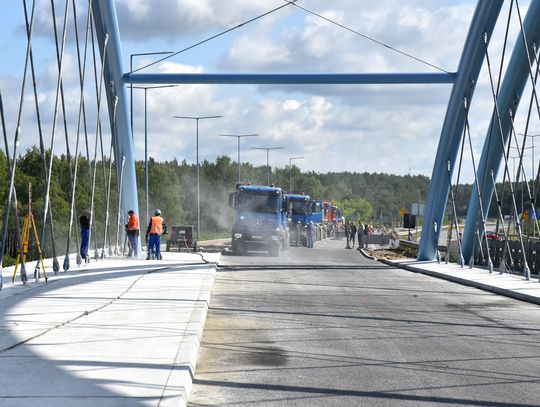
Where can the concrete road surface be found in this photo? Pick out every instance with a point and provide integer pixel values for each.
(368, 335)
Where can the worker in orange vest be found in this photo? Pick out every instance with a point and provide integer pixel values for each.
(132, 230)
(156, 228)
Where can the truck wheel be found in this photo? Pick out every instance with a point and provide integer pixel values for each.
(238, 249)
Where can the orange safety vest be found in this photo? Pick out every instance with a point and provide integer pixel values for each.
(156, 226)
(133, 223)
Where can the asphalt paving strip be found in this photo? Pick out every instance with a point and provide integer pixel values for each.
(263, 354)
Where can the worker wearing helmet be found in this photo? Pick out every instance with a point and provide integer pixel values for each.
(156, 228)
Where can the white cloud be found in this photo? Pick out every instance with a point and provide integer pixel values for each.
(291, 104)
(256, 53)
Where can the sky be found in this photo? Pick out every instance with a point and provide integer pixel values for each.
(356, 128)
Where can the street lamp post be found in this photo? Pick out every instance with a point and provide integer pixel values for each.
(146, 142)
(532, 136)
(131, 85)
(267, 156)
(239, 136)
(197, 118)
(290, 171)
(522, 169)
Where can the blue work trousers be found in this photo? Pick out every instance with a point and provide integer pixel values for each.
(154, 240)
(133, 241)
(85, 240)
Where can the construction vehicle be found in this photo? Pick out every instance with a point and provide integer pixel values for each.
(260, 219)
(332, 213)
(181, 239)
(316, 211)
(303, 210)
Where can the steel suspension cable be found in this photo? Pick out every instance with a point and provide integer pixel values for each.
(55, 118)
(454, 213)
(478, 191)
(491, 129)
(529, 111)
(119, 213)
(99, 138)
(102, 151)
(521, 168)
(56, 266)
(82, 71)
(524, 36)
(526, 270)
(499, 80)
(366, 36)
(12, 195)
(110, 177)
(521, 151)
(215, 36)
(24, 277)
(534, 96)
(88, 161)
(64, 117)
(99, 90)
(454, 195)
(502, 264)
(106, 188)
(536, 185)
(506, 249)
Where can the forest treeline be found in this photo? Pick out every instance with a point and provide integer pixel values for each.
(374, 197)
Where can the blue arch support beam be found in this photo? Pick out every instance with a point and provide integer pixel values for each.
(515, 79)
(472, 57)
(106, 23)
(290, 79)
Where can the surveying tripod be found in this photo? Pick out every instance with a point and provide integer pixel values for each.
(25, 236)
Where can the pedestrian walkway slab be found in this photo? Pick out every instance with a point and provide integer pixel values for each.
(117, 332)
(510, 285)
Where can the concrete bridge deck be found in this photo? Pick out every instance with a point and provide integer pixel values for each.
(114, 333)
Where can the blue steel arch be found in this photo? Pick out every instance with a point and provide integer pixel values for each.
(515, 79)
(106, 23)
(472, 57)
(484, 19)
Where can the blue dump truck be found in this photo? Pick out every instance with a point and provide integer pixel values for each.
(260, 219)
(303, 210)
(316, 211)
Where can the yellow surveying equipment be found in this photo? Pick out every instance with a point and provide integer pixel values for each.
(25, 236)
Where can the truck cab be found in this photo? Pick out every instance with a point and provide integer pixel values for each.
(303, 210)
(300, 213)
(260, 219)
(316, 211)
(300, 208)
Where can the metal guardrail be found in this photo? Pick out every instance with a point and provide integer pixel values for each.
(415, 245)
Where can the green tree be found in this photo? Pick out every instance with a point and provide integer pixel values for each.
(356, 208)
